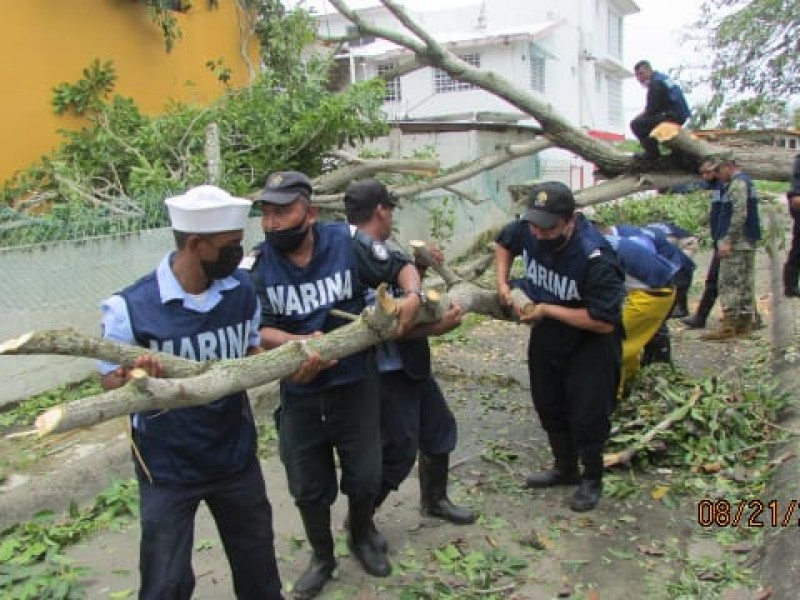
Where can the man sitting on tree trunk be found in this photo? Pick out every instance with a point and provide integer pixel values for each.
(665, 102)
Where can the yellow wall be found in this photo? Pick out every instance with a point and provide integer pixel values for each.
(47, 42)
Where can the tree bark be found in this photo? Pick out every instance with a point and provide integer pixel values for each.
(188, 383)
(367, 168)
(485, 163)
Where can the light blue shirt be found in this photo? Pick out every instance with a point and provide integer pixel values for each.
(116, 321)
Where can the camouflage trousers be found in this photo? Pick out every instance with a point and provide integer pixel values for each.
(737, 292)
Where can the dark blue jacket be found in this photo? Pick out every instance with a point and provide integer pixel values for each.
(642, 263)
(200, 443)
(663, 246)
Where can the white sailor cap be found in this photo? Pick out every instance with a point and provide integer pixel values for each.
(207, 209)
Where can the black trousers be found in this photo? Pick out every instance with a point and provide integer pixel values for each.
(414, 417)
(243, 516)
(344, 419)
(712, 279)
(577, 394)
(793, 258)
(642, 125)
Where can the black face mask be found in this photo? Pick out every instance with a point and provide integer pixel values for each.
(287, 240)
(552, 245)
(228, 259)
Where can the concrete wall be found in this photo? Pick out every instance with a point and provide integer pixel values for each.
(61, 285)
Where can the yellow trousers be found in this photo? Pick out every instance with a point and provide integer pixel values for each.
(642, 314)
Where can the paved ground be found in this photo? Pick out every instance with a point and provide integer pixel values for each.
(626, 549)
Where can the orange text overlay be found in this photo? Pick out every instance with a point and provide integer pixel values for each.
(748, 513)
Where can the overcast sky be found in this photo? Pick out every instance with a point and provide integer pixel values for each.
(654, 34)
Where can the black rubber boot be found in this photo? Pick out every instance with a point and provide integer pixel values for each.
(790, 275)
(376, 537)
(565, 468)
(433, 470)
(360, 538)
(698, 321)
(590, 488)
(681, 307)
(322, 567)
(658, 349)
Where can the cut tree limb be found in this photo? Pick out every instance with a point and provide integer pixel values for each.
(201, 383)
(624, 457)
(69, 342)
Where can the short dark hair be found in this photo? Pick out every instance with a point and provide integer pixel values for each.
(361, 198)
(642, 64)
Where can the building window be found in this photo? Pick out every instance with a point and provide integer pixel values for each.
(614, 33)
(442, 82)
(537, 58)
(614, 87)
(393, 91)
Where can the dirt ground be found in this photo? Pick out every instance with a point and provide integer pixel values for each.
(532, 543)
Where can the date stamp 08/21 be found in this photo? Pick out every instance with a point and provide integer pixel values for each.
(748, 513)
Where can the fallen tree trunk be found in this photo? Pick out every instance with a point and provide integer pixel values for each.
(190, 383)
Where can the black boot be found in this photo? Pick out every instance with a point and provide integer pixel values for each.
(565, 469)
(433, 500)
(590, 488)
(790, 275)
(376, 537)
(322, 567)
(658, 349)
(681, 307)
(360, 538)
(698, 321)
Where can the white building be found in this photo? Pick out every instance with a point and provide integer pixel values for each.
(567, 53)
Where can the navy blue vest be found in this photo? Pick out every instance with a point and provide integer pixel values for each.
(200, 443)
(298, 300)
(558, 278)
(719, 214)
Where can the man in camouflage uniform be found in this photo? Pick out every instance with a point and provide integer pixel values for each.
(740, 231)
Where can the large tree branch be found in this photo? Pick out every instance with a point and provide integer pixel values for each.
(760, 162)
(189, 384)
(563, 134)
(485, 163)
(558, 129)
(367, 168)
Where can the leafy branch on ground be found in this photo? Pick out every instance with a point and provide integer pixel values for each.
(32, 560)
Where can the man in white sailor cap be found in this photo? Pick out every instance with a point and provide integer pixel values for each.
(196, 304)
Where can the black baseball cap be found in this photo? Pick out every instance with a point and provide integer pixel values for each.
(365, 195)
(284, 187)
(547, 202)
